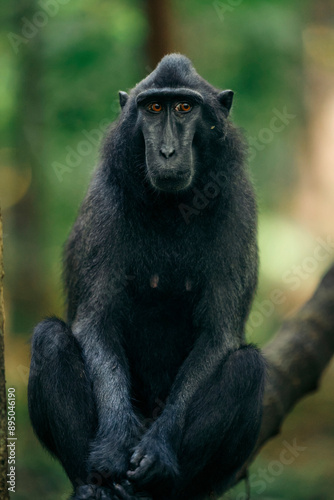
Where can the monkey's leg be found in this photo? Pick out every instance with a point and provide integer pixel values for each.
(223, 421)
(60, 400)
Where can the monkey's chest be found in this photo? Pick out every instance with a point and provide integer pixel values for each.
(158, 337)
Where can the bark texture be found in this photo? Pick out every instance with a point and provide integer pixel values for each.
(3, 412)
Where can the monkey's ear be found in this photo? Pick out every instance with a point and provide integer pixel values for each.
(226, 98)
(123, 98)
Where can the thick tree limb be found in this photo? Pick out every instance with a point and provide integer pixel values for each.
(296, 357)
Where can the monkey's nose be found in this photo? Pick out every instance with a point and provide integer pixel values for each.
(167, 151)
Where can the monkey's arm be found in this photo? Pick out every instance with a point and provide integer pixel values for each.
(106, 364)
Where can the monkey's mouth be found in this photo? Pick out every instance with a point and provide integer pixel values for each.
(171, 183)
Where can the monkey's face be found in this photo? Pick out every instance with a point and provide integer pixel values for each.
(169, 119)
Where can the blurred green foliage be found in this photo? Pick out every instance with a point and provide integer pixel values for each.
(86, 52)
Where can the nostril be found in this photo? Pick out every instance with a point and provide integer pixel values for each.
(167, 151)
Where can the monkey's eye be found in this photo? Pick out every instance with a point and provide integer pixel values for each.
(154, 107)
(183, 107)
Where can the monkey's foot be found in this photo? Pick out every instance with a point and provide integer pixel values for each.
(91, 492)
(123, 491)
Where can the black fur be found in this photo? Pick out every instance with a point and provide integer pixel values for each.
(150, 377)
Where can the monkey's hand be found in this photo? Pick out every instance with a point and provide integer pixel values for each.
(111, 451)
(108, 460)
(153, 463)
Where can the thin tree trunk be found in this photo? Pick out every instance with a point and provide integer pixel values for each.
(161, 39)
(3, 412)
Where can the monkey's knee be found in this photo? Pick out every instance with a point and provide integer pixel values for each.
(55, 361)
(60, 401)
(51, 338)
(244, 371)
(48, 335)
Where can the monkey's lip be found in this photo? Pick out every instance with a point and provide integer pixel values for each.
(172, 183)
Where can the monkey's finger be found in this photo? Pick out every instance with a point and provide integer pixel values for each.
(127, 486)
(140, 472)
(136, 459)
(122, 494)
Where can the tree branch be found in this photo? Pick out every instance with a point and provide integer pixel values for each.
(296, 358)
(3, 412)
